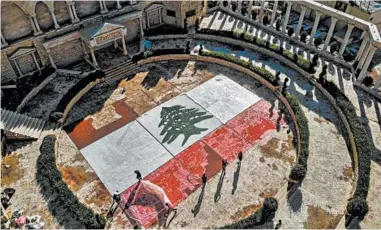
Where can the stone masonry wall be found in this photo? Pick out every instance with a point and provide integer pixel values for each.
(14, 22)
(44, 17)
(26, 64)
(87, 8)
(133, 29)
(67, 53)
(7, 72)
(61, 11)
(154, 18)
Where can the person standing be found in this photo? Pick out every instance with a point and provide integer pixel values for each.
(138, 175)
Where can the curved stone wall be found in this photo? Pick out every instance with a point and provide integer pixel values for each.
(15, 23)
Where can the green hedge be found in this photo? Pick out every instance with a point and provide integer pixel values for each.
(302, 121)
(228, 57)
(363, 145)
(62, 203)
(300, 60)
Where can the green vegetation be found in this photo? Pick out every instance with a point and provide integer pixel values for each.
(364, 150)
(62, 203)
(299, 170)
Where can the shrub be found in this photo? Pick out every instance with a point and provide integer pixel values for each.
(318, 42)
(368, 81)
(50, 180)
(357, 207)
(298, 172)
(303, 36)
(361, 138)
(315, 60)
(290, 31)
(148, 53)
(302, 123)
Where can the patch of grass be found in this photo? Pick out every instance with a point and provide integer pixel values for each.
(13, 173)
(318, 218)
(273, 149)
(76, 176)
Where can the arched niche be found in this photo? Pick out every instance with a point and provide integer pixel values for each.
(111, 5)
(87, 8)
(44, 17)
(62, 12)
(15, 23)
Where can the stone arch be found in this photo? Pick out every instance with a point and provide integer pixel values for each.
(15, 23)
(61, 11)
(87, 8)
(44, 16)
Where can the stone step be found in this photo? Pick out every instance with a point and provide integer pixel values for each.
(123, 74)
(121, 71)
(116, 68)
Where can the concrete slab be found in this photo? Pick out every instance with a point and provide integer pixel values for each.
(115, 156)
(178, 123)
(223, 97)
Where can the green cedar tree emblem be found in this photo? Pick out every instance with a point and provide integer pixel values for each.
(180, 120)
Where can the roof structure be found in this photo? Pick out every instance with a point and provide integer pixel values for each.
(101, 28)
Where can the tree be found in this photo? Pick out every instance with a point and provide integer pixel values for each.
(357, 207)
(298, 172)
(270, 206)
(318, 42)
(290, 31)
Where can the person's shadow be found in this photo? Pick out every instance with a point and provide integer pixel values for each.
(236, 177)
(217, 196)
(197, 208)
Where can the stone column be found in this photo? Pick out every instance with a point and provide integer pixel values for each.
(286, 17)
(364, 69)
(346, 38)
(124, 46)
(75, 13)
(3, 42)
(93, 57)
(51, 59)
(205, 8)
(148, 24)
(273, 15)
(239, 6)
(17, 67)
(230, 4)
(249, 10)
(36, 27)
(330, 32)
(362, 46)
(104, 9)
(118, 6)
(314, 28)
(35, 61)
(72, 12)
(364, 55)
(261, 11)
(56, 25)
(141, 26)
(300, 22)
(160, 15)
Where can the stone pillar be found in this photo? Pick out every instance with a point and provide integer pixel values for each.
(51, 59)
(160, 15)
(17, 67)
(364, 69)
(364, 55)
(330, 32)
(362, 46)
(124, 46)
(205, 8)
(56, 25)
(239, 6)
(73, 14)
(93, 57)
(141, 26)
(35, 61)
(3, 42)
(346, 38)
(273, 15)
(229, 4)
(36, 27)
(314, 28)
(118, 6)
(300, 22)
(104, 9)
(289, 5)
(261, 11)
(148, 24)
(249, 9)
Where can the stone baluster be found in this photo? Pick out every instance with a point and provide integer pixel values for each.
(17, 67)
(345, 41)
(273, 15)
(285, 22)
(73, 14)
(141, 26)
(315, 26)
(362, 46)
(118, 6)
(364, 69)
(104, 9)
(51, 59)
(239, 6)
(35, 61)
(330, 32)
(300, 22)
(364, 55)
(56, 25)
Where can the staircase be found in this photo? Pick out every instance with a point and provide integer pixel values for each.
(20, 124)
(122, 70)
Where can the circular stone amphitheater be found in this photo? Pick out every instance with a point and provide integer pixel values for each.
(189, 114)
